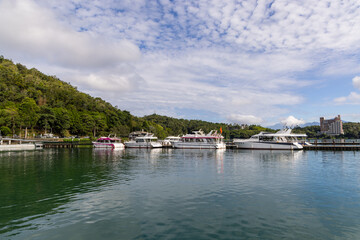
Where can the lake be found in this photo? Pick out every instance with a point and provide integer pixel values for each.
(179, 194)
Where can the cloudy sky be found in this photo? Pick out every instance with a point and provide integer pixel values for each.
(232, 61)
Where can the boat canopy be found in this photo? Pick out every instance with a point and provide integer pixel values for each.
(201, 135)
(108, 139)
(281, 133)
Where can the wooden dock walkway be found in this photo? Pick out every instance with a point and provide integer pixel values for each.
(229, 145)
(333, 147)
(66, 144)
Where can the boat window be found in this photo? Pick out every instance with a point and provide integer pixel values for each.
(266, 138)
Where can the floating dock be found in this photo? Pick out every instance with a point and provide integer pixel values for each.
(66, 144)
(14, 144)
(333, 147)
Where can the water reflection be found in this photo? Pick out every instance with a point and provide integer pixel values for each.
(179, 193)
(38, 182)
(274, 155)
(114, 153)
(200, 153)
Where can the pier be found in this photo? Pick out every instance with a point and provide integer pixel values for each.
(333, 147)
(52, 144)
(10, 144)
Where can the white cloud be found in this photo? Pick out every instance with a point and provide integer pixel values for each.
(340, 100)
(356, 82)
(244, 119)
(33, 31)
(353, 98)
(291, 121)
(213, 81)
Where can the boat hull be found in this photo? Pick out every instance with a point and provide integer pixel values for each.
(108, 145)
(268, 145)
(143, 145)
(192, 145)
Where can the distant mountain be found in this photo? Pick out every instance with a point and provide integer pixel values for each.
(280, 126)
(310, 124)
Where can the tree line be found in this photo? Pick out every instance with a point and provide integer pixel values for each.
(32, 103)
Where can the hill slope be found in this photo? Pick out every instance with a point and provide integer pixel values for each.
(31, 99)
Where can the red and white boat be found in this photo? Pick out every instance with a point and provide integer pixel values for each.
(108, 142)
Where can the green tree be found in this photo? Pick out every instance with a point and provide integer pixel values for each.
(100, 123)
(88, 124)
(4, 131)
(62, 121)
(28, 113)
(10, 117)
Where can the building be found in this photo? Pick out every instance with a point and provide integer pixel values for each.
(331, 126)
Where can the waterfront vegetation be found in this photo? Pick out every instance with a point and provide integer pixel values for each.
(32, 103)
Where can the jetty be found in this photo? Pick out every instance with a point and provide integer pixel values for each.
(333, 147)
(10, 144)
(74, 144)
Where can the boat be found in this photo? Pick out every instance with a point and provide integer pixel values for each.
(169, 141)
(145, 141)
(281, 140)
(200, 140)
(108, 142)
(136, 134)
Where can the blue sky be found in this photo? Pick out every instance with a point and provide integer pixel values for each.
(254, 62)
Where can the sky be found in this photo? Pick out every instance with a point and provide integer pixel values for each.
(247, 62)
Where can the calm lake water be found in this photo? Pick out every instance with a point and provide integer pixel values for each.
(179, 194)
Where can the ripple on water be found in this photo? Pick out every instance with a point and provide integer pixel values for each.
(182, 195)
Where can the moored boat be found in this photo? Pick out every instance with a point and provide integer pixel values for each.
(200, 140)
(169, 141)
(108, 142)
(281, 140)
(146, 141)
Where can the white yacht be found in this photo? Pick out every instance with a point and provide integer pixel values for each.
(199, 140)
(108, 142)
(146, 141)
(281, 140)
(169, 141)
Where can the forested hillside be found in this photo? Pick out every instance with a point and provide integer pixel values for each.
(34, 103)
(32, 100)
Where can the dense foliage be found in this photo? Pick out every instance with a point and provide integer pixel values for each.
(32, 100)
